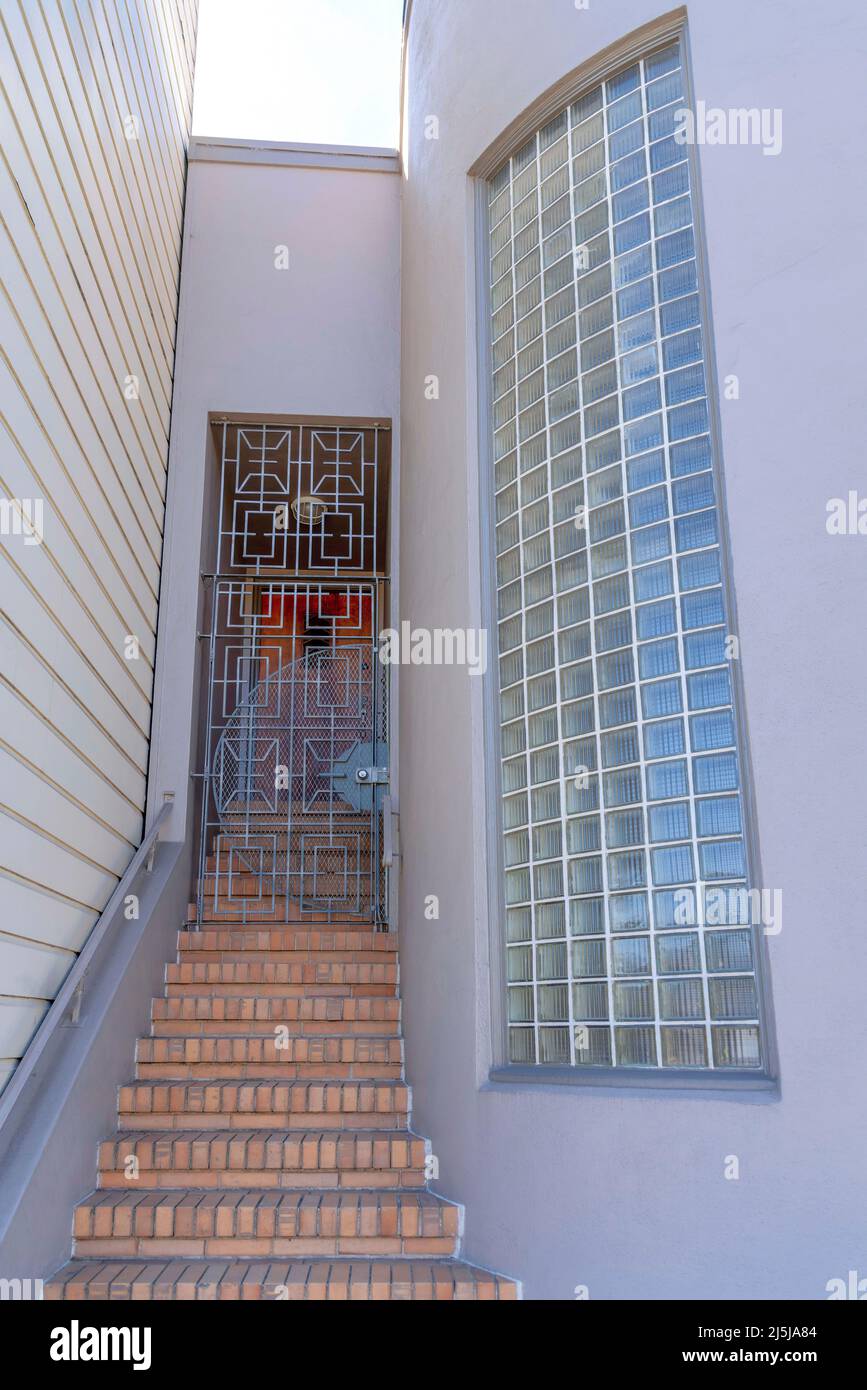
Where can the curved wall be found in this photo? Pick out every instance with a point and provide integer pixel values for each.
(624, 1190)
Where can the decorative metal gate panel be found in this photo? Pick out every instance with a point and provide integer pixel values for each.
(298, 740)
(296, 743)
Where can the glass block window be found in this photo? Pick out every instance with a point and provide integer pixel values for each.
(622, 817)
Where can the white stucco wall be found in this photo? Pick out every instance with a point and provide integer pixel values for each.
(624, 1190)
(94, 119)
(319, 339)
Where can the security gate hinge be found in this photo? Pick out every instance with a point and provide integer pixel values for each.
(371, 775)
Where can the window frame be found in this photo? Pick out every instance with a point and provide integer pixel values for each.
(720, 1080)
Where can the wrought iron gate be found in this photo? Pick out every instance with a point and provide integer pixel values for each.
(296, 741)
(298, 753)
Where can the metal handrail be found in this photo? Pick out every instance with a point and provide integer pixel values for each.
(70, 992)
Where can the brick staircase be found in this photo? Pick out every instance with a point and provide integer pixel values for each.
(264, 1148)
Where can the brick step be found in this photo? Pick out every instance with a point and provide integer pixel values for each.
(221, 1104)
(327, 885)
(315, 1281)
(264, 861)
(266, 940)
(221, 989)
(263, 1223)
(283, 1056)
(250, 1014)
(320, 958)
(225, 911)
(227, 1158)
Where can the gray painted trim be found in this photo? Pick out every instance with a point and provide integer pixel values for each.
(361, 158)
(670, 26)
(707, 1084)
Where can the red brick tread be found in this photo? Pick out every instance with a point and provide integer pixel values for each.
(331, 1280)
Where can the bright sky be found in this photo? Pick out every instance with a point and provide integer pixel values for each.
(311, 71)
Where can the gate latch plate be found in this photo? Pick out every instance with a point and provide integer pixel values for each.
(370, 776)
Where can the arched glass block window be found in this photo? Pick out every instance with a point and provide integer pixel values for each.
(628, 926)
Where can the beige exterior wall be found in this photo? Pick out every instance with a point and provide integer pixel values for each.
(95, 108)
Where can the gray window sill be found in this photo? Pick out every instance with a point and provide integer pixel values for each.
(711, 1084)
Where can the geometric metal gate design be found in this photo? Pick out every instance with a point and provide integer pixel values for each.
(296, 746)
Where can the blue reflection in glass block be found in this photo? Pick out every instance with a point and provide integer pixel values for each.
(665, 153)
(711, 731)
(666, 780)
(664, 90)
(632, 267)
(642, 472)
(674, 908)
(640, 400)
(687, 419)
(662, 698)
(697, 571)
(690, 494)
(669, 822)
(679, 246)
(684, 385)
(642, 435)
(692, 456)
(628, 171)
(654, 581)
(631, 234)
(635, 299)
(638, 366)
(650, 544)
(719, 815)
(673, 215)
(686, 347)
(628, 203)
(682, 314)
(618, 708)
(695, 531)
(670, 183)
(674, 865)
(658, 659)
(656, 619)
(663, 123)
(622, 143)
(702, 609)
(665, 739)
(623, 788)
(709, 689)
(624, 82)
(663, 61)
(636, 332)
(705, 648)
(715, 774)
(647, 507)
(623, 111)
(724, 859)
(674, 283)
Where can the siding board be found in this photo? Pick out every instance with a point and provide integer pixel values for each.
(90, 240)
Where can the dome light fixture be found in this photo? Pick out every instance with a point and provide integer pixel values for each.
(308, 510)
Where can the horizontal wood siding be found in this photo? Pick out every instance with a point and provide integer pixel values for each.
(95, 110)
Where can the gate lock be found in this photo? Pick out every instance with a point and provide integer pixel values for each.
(356, 775)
